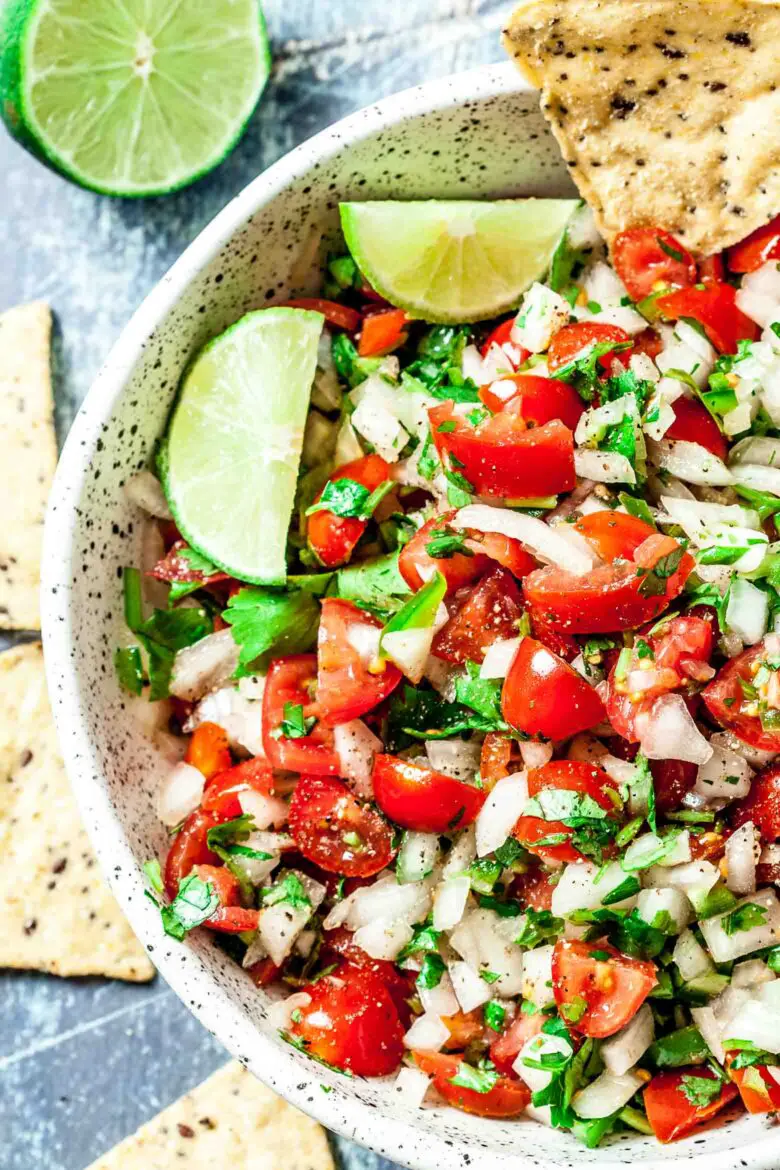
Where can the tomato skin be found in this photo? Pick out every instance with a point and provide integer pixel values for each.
(322, 812)
(464, 1028)
(208, 750)
(489, 614)
(416, 565)
(715, 308)
(382, 332)
(189, 848)
(614, 534)
(334, 313)
(230, 917)
(711, 269)
(537, 400)
(614, 989)
(333, 538)
(723, 698)
(571, 342)
(643, 264)
(364, 1033)
(756, 1099)
(608, 599)
(494, 758)
(502, 335)
(288, 681)
(221, 795)
(761, 805)
(502, 457)
(422, 799)
(672, 780)
(544, 696)
(346, 688)
(572, 776)
(507, 1098)
(534, 888)
(761, 245)
(693, 423)
(669, 1111)
(174, 566)
(338, 946)
(505, 1050)
(504, 550)
(548, 632)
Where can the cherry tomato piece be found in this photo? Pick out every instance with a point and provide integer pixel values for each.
(725, 700)
(505, 550)
(334, 313)
(758, 1089)
(537, 400)
(574, 341)
(495, 756)
(423, 799)
(336, 831)
(715, 308)
(505, 1050)
(548, 631)
(208, 750)
(416, 565)
(711, 269)
(535, 833)
(647, 258)
(347, 683)
(382, 332)
(332, 538)
(669, 1110)
(761, 245)
(489, 614)
(507, 1097)
(693, 423)
(672, 781)
(290, 680)
(761, 805)
(464, 1028)
(614, 535)
(175, 566)
(190, 848)
(222, 793)
(338, 945)
(544, 696)
(613, 988)
(502, 335)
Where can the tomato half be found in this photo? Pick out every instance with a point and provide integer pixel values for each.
(382, 332)
(614, 597)
(339, 946)
(761, 805)
(537, 400)
(416, 565)
(222, 792)
(693, 423)
(613, 988)
(507, 1097)
(613, 534)
(334, 313)
(758, 1089)
(761, 245)
(573, 341)
(725, 700)
(423, 799)
(290, 680)
(490, 613)
(669, 1111)
(189, 848)
(175, 566)
(571, 776)
(332, 538)
(351, 1022)
(543, 695)
(336, 831)
(647, 258)
(347, 684)
(715, 308)
(502, 456)
(208, 750)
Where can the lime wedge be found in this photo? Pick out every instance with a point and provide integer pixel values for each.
(230, 462)
(131, 97)
(453, 261)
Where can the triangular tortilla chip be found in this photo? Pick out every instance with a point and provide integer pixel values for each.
(28, 453)
(56, 911)
(231, 1120)
(666, 111)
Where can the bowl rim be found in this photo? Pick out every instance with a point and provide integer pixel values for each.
(339, 1109)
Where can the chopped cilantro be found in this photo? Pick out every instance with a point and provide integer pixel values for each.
(481, 1079)
(349, 499)
(268, 622)
(744, 917)
(495, 1015)
(489, 976)
(287, 888)
(129, 669)
(539, 926)
(293, 724)
(446, 542)
(193, 905)
(154, 874)
(431, 971)
(653, 581)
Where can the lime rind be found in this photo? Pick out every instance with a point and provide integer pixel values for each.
(229, 465)
(454, 261)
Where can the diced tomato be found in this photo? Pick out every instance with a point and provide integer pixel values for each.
(761, 805)
(332, 538)
(693, 423)
(505, 550)
(725, 700)
(230, 917)
(711, 269)
(423, 799)
(549, 633)
(614, 535)
(351, 1022)
(416, 565)
(504, 458)
(507, 1098)
(758, 1089)
(225, 885)
(502, 335)
(647, 259)
(537, 400)
(464, 1028)
(613, 989)
(335, 314)
(208, 750)
(336, 831)
(715, 308)
(672, 780)
(647, 342)
(223, 790)
(347, 686)
(176, 567)
(505, 1050)
(264, 972)
(489, 614)
(382, 332)
(574, 341)
(535, 887)
(290, 680)
(669, 1110)
(615, 597)
(544, 696)
(494, 759)
(761, 245)
(189, 848)
(571, 776)
(338, 945)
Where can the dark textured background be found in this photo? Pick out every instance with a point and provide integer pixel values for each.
(84, 1062)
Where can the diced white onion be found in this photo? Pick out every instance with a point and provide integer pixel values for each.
(145, 491)
(725, 947)
(533, 1050)
(382, 939)
(410, 1087)
(606, 1095)
(471, 365)
(461, 855)
(622, 1051)
(365, 639)
(356, 746)
(762, 479)
(755, 449)
(760, 308)
(427, 1033)
(704, 1019)
(240, 718)
(550, 545)
(498, 658)
(747, 611)
(416, 857)
(669, 901)
(449, 902)
(279, 925)
(266, 811)
(755, 756)
(646, 846)
(690, 462)
(471, 991)
(584, 886)
(751, 973)
(409, 650)
(757, 1022)
(623, 316)
(280, 1013)
(690, 956)
(537, 975)
(387, 901)
(458, 758)
(500, 812)
(671, 734)
(255, 868)
(725, 775)
(180, 794)
(204, 666)
(439, 1000)
(496, 364)
(693, 877)
(603, 466)
(535, 755)
(741, 859)
(486, 942)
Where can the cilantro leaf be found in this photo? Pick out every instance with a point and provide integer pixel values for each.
(425, 940)
(653, 581)
(431, 971)
(349, 499)
(287, 888)
(446, 542)
(483, 695)
(376, 584)
(129, 669)
(193, 905)
(494, 1015)
(481, 1079)
(293, 724)
(744, 917)
(267, 623)
(418, 713)
(539, 926)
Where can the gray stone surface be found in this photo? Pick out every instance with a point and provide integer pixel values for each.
(84, 1062)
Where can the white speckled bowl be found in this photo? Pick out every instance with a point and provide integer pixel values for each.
(477, 134)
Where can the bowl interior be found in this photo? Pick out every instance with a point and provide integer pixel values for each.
(474, 135)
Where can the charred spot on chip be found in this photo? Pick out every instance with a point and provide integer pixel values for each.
(621, 105)
(669, 52)
(739, 38)
(185, 1131)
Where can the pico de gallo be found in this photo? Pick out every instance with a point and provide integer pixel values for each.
(492, 786)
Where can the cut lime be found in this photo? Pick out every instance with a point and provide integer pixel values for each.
(452, 261)
(230, 462)
(131, 97)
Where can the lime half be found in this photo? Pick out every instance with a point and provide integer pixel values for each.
(452, 261)
(230, 463)
(131, 97)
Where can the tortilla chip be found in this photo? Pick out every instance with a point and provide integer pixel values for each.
(666, 111)
(56, 911)
(230, 1120)
(28, 451)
